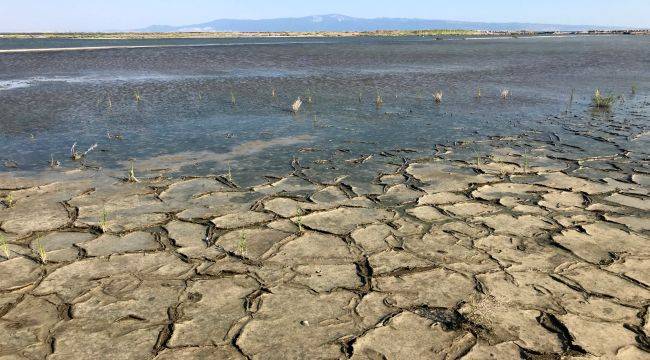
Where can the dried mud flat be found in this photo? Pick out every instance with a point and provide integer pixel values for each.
(512, 255)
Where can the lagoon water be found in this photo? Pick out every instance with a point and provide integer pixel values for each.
(186, 122)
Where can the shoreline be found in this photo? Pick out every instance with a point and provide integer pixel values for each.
(467, 37)
(230, 35)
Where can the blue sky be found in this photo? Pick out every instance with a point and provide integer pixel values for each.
(97, 15)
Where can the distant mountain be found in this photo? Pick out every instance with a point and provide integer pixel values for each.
(346, 23)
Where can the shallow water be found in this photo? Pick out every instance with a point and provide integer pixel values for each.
(187, 124)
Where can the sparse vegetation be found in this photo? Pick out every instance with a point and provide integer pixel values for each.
(9, 200)
(103, 221)
(568, 106)
(137, 97)
(526, 162)
(437, 97)
(295, 106)
(54, 163)
(76, 155)
(379, 101)
(242, 243)
(233, 98)
(4, 246)
(299, 213)
(114, 136)
(229, 174)
(40, 249)
(600, 102)
(478, 92)
(131, 176)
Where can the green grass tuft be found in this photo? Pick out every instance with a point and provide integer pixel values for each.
(4, 246)
(600, 102)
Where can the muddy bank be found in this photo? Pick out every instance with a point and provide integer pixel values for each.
(488, 249)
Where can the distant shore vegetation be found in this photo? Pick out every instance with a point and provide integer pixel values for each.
(217, 35)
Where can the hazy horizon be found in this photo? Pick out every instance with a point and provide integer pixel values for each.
(78, 15)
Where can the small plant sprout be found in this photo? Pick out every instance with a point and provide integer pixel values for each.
(136, 96)
(295, 107)
(568, 106)
(131, 177)
(9, 200)
(299, 213)
(54, 163)
(526, 162)
(360, 96)
(379, 101)
(229, 174)
(233, 98)
(42, 254)
(601, 102)
(241, 244)
(437, 96)
(4, 246)
(114, 136)
(505, 94)
(76, 155)
(478, 92)
(103, 221)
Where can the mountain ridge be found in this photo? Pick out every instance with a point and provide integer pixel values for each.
(343, 23)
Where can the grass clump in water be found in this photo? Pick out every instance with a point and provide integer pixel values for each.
(137, 97)
(600, 102)
(54, 163)
(76, 155)
(295, 106)
(379, 101)
(437, 96)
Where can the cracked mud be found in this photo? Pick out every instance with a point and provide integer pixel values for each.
(438, 258)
